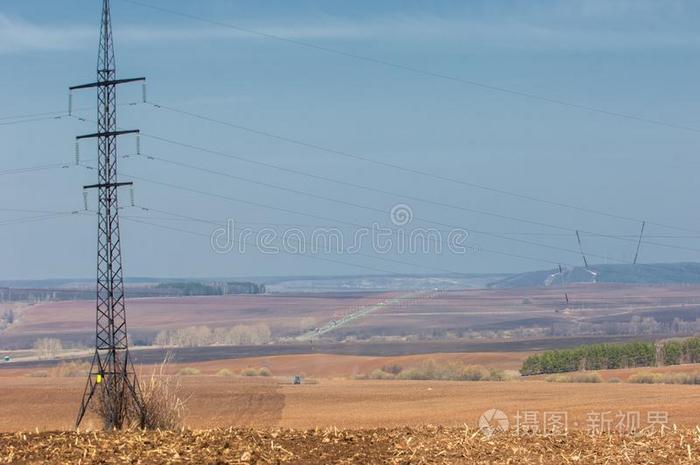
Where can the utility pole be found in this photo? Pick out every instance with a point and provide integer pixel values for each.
(639, 243)
(580, 247)
(112, 379)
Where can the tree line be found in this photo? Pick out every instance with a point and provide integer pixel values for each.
(610, 356)
(199, 336)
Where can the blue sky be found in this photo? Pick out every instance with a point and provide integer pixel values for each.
(633, 57)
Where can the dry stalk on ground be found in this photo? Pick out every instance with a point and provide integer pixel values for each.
(399, 446)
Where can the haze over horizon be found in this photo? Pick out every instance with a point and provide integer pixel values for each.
(598, 54)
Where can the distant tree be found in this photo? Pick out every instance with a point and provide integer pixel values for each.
(691, 350)
(198, 336)
(47, 347)
(672, 353)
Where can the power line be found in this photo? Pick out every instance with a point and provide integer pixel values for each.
(199, 220)
(38, 218)
(287, 211)
(48, 115)
(423, 72)
(378, 210)
(217, 223)
(32, 169)
(314, 257)
(373, 257)
(31, 120)
(48, 166)
(439, 177)
(383, 191)
(497, 252)
(24, 210)
(259, 204)
(510, 233)
(503, 237)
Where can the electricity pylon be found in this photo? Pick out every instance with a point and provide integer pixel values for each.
(112, 378)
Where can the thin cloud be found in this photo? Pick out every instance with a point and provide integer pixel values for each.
(597, 27)
(17, 35)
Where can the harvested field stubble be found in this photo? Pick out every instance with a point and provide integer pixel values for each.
(426, 445)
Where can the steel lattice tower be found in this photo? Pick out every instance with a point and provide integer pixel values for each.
(112, 378)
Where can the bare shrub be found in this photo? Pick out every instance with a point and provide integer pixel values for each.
(249, 372)
(499, 375)
(47, 347)
(394, 369)
(614, 379)
(682, 378)
(116, 410)
(188, 371)
(509, 374)
(380, 374)
(578, 377)
(163, 406)
(71, 370)
(645, 378)
(225, 372)
(264, 371)
(468, 373)
(664, 378)
(430, 370)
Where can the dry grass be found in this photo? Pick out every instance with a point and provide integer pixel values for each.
(263, 371)
(71, 370)
(63, 370)
(424, 445)
(431, 370)
(189, 371)
(664, 378)
(577, 377)
(164, 407)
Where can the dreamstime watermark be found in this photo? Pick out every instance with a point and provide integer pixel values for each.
(400, 239)
(557, 423)
(401, 214)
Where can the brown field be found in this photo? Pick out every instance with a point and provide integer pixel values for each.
(282, 313)
(333, 417)
(432, 315)
(315, 365)
(415, 445)
(333, 398)
(498, 309)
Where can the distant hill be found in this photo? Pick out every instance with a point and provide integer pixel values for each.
(657, 273)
